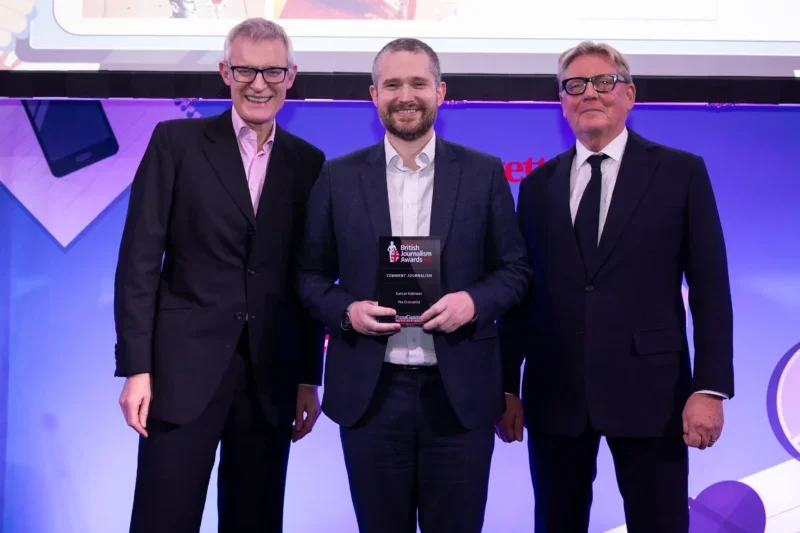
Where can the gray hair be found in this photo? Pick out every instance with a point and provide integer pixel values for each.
(415, 46)
(258, 29)
(591, 48)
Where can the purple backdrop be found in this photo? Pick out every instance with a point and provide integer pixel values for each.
(67, 459)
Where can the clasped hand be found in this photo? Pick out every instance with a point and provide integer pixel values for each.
(702, 420)
(447, 315)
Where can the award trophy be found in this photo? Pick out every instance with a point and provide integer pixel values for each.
(410, 277)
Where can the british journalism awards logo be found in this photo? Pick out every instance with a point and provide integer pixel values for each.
(394, 255)
(409, 252)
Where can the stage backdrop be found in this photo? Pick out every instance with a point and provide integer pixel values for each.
(68, 459)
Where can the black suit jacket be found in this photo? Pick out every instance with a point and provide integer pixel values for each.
(608, 339)
(223, 266)
(482, 253)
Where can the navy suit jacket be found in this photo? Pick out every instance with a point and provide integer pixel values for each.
(482, 252)
(607, 340)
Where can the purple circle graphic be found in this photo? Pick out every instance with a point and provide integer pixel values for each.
(783, 401)
(727, 507)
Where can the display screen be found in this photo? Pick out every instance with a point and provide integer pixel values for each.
(680, 38)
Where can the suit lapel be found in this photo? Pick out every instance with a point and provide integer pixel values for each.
(446, 178)
(635, 173)
(445, 190)
(222, 150)
(558, 201)
(278, 181)
(376, 191)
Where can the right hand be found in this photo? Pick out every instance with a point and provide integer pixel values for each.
(363, 319)
(509, 428)
(135, 401)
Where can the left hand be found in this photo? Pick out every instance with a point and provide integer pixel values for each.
(308, 405)
(702, 420)
(509, 427)
(449, 313)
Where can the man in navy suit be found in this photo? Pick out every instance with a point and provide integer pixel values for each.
(612, 226)
(416, 405)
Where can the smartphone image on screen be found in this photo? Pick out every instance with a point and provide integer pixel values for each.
(73, 134)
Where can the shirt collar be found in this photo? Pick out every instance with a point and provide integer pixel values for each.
(423, 159)
(243, 131)
(614, 149)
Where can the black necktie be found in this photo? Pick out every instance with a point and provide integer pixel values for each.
(587, 219)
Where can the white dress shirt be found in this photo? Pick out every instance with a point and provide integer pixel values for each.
(581, 173)
(410, 199)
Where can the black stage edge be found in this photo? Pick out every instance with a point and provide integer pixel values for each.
(352, 86)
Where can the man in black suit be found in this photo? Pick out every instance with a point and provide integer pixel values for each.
(214, 335)
(416, 405)
(612, 225)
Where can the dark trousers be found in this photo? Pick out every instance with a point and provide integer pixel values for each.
(175, 464)
(410, 455)
(652, 476)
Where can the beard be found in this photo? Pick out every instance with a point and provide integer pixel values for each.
(409, 131)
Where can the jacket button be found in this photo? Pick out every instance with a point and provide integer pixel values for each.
(239, 316)
(250, 272)
(251, 231)
(589, 288)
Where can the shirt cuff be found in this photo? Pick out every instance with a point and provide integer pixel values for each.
(714, 393)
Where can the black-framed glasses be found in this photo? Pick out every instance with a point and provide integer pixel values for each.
(248, 74)
(603, 83)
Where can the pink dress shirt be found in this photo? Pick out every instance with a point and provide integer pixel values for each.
(255, 161)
